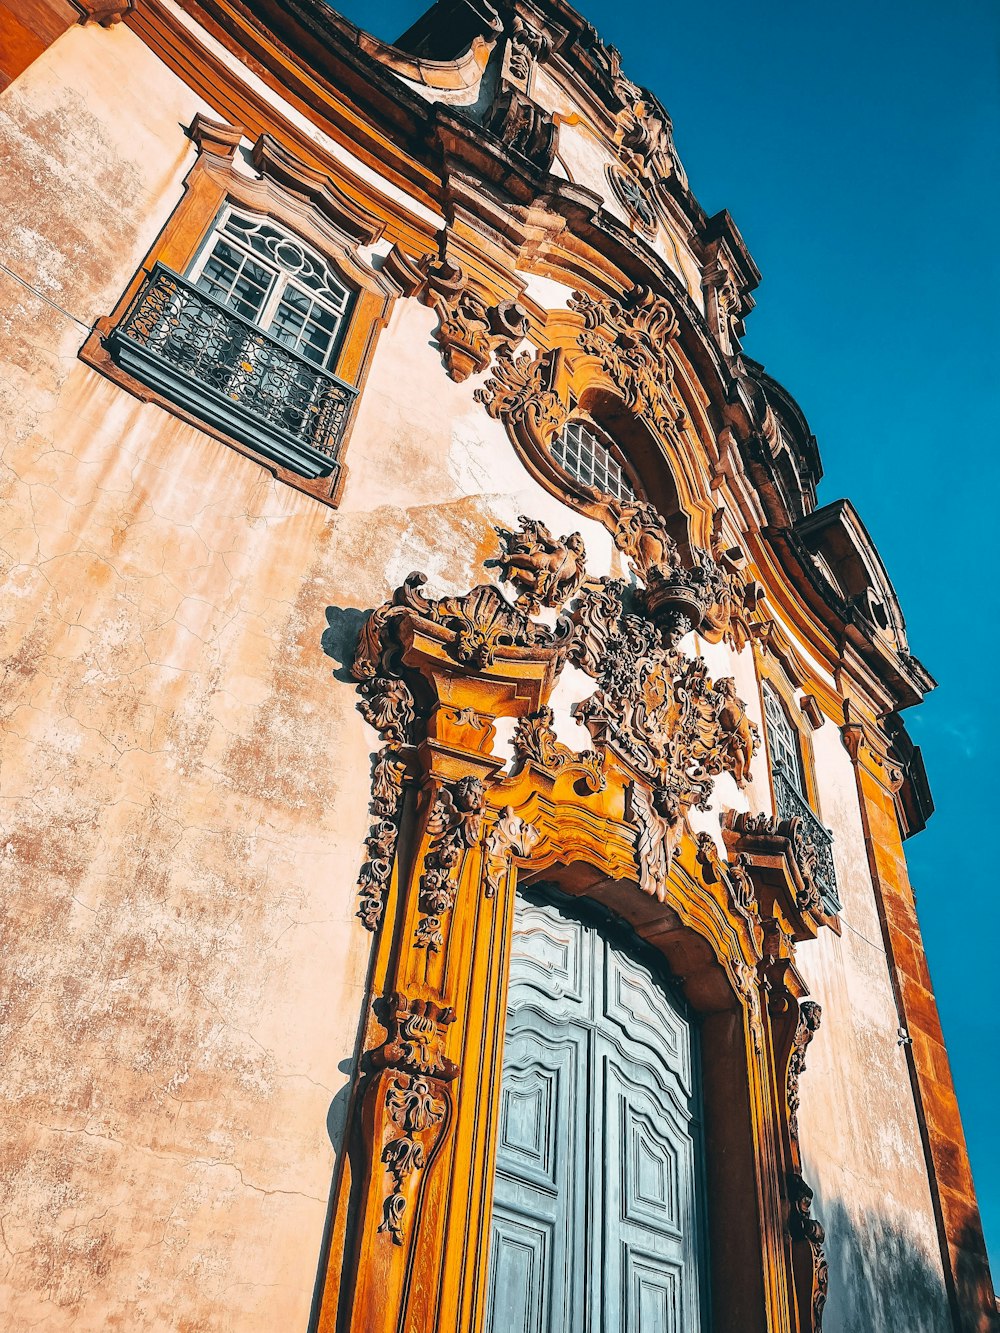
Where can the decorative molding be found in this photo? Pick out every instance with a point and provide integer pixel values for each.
(413, 1106)
(631, 339)
(279, 164)
(536, 742)
(455, 825)
(509, 836)
(216, 137)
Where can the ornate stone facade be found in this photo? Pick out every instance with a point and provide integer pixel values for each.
(303, 790)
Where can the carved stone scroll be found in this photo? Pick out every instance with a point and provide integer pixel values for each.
(631, 339)
(510, 836)
(455, 824)
(521, 392)
(535, 740)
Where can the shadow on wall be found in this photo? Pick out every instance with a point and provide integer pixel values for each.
(882, 1279)
(340, 638)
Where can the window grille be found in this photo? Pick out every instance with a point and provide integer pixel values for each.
(582, 453)
(782, 739)
(246, 341)
(274, 281)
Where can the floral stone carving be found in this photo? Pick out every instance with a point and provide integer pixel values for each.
(455, 825)
(631, 338)
(535, 740)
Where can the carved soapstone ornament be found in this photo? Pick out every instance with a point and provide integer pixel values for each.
(521, 393)
(631, 338)
(535, 741)
(514, 116)
(653, 704)
(548, 572)
(802, 1225)
(455, 825)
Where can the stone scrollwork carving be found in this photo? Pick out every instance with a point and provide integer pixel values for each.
(415, 1101)
(733, 597)
(455, 825)
(652, 845)
(631, 339)
(414, 1107)
(733, 873)
(471, 330)
(526, 47)
(509, 836)
(535, 740)
(548, 572)
(640, 532)
(802, 1225)
(521, 392)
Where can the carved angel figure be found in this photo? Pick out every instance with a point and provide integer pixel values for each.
(547, 571)
(739, 732)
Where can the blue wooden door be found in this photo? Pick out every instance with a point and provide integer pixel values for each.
(594, 1211)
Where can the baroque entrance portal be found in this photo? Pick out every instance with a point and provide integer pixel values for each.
(595, 1221)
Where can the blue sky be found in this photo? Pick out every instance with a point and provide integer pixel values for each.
(856, 146)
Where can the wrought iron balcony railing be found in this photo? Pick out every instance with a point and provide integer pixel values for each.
(819, 840)
(230, 373)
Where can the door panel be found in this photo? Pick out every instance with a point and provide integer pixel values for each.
(594, 1214)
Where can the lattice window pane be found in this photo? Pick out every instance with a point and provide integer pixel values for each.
(581, 453)
(274, 281)
(782, 739)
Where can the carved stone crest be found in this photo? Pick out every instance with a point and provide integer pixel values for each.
(631, 338)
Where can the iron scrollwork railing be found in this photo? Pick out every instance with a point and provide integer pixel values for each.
(790, 803)
(234, 375)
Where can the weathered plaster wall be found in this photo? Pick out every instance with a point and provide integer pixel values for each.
(183, 790)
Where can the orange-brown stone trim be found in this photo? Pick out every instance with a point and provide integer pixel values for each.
(960, 1231)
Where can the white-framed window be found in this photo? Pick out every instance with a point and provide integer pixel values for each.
(782, 739)
(581, 451)
(274, 280)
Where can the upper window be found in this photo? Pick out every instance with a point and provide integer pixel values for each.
(585, 455)
(783, 739)
(273, 280)
(246, 339)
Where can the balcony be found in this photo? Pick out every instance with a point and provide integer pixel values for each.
(232, 375)
(790, 803)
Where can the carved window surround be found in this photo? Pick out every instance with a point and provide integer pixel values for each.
(452, 835)
(303, 201)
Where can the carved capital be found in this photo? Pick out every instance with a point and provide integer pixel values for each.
(417, 1032)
